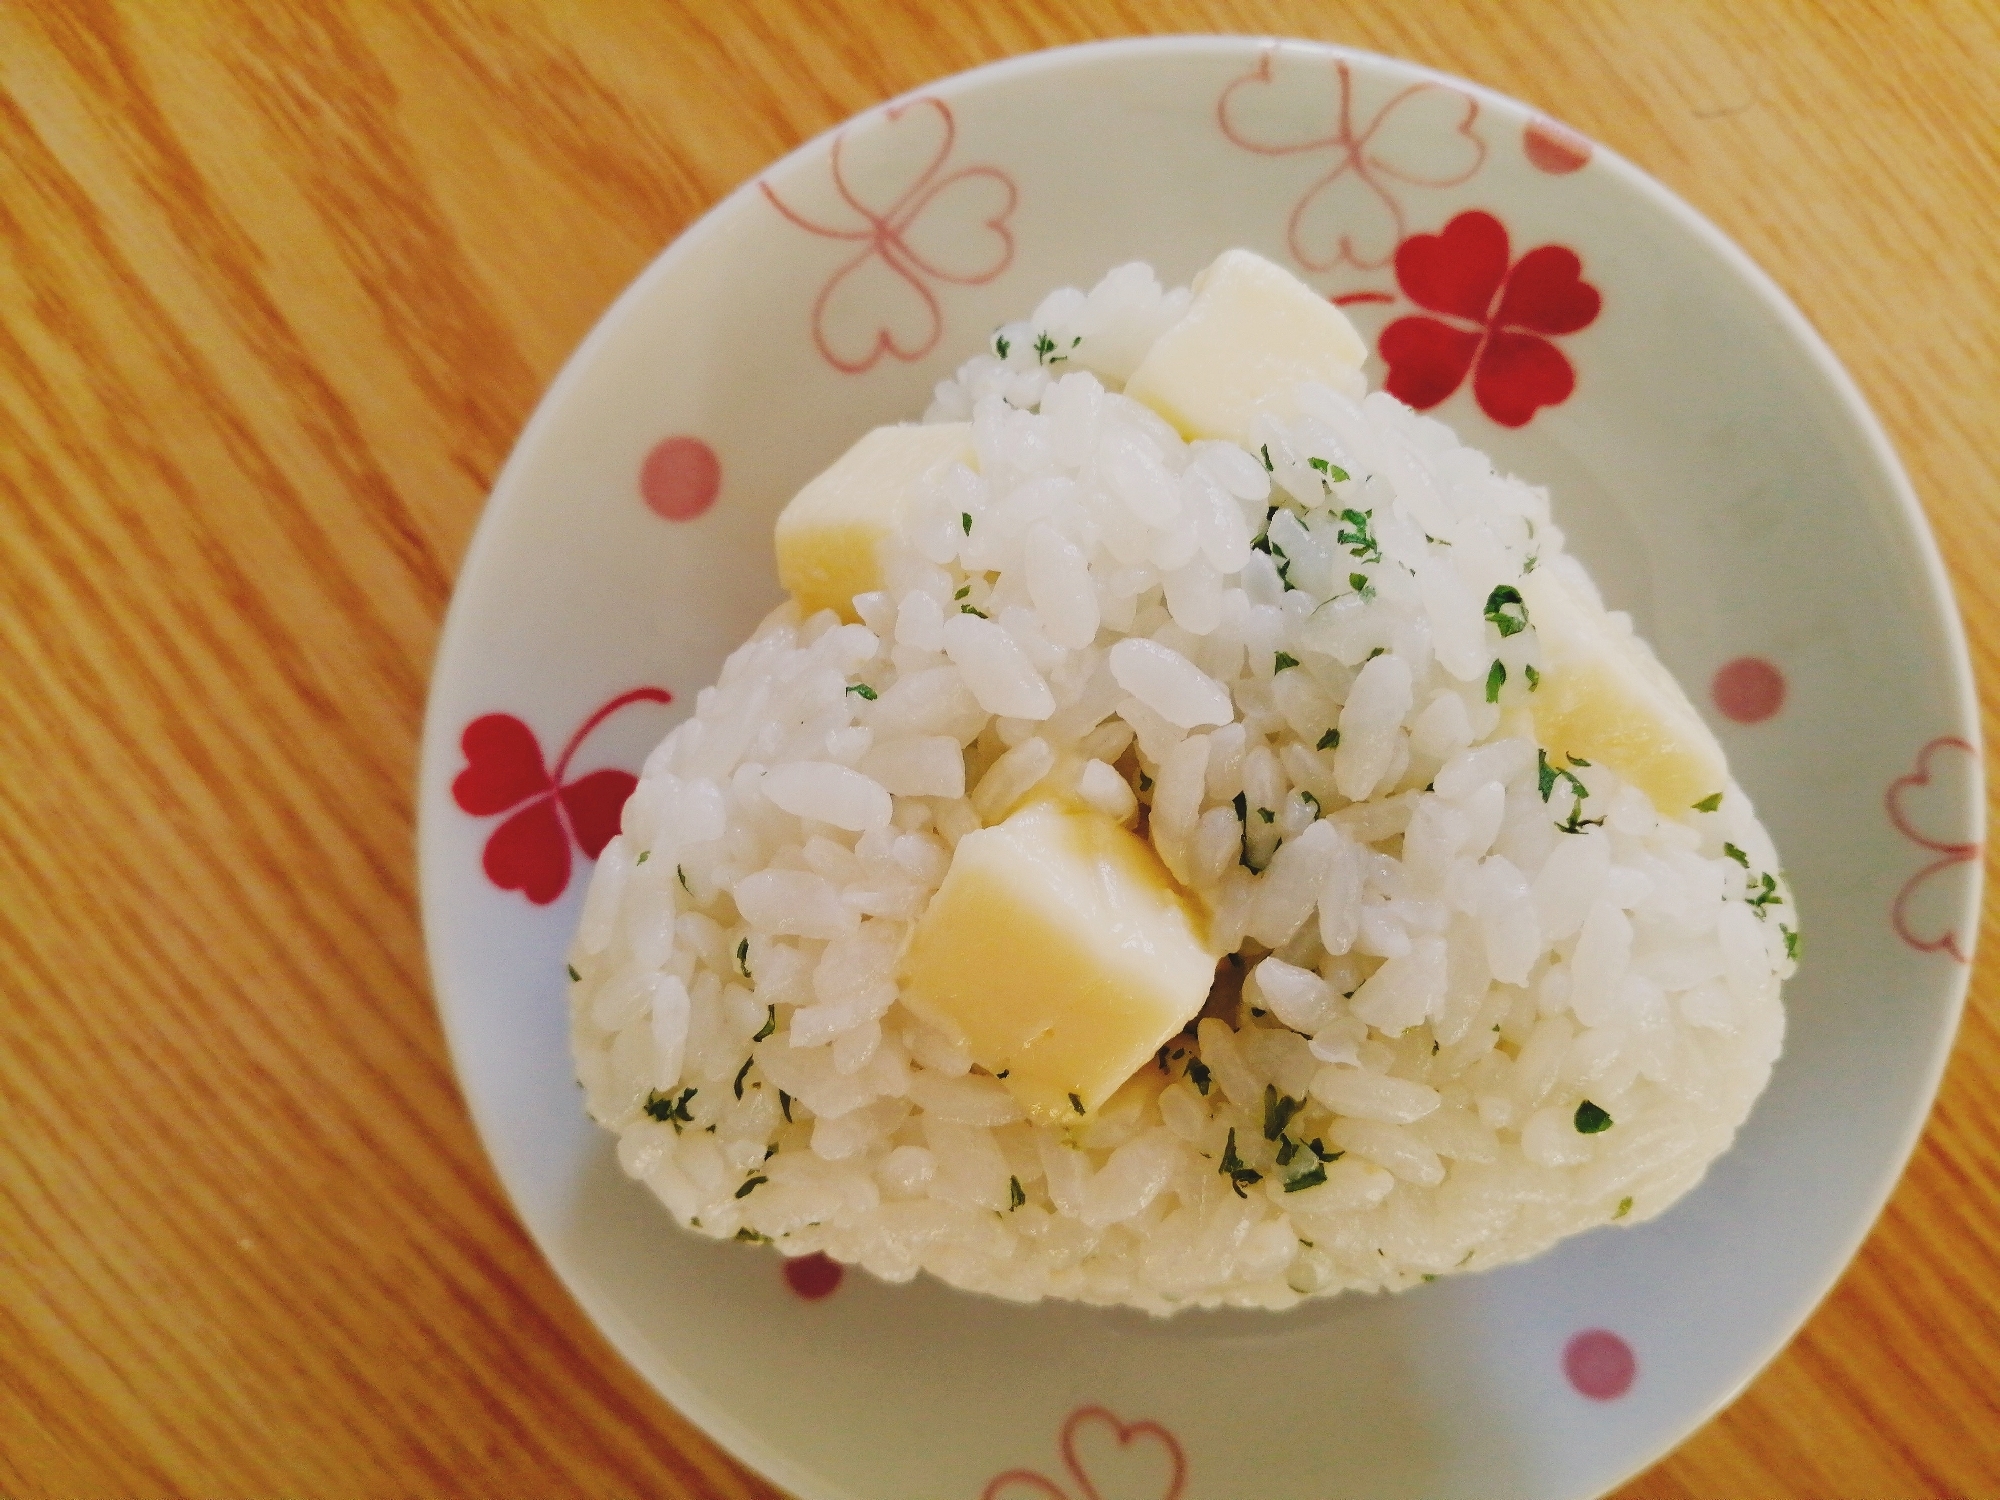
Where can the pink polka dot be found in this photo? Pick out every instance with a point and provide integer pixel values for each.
(812, 1276)
(1748, 690)
(1554, 148)
(680, 478)
(1600, 1364)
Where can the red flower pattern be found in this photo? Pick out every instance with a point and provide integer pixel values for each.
(1122, 1454)
(1922, 806)
(504, 771)
(1497, 318)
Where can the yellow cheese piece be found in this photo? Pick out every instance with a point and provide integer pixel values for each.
(1604, 697)
(831, 537)
(1252, 332)
(1062, 952)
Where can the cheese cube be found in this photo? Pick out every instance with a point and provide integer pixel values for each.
(831, 538)
(1604, 697)
(1062, 953)
(1252, 333)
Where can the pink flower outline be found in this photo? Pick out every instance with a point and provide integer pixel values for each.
(1949, 854)
(1028, 1484)
(885, 235)
(1370, 154)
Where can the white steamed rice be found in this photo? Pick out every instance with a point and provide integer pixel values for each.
(1436, 979)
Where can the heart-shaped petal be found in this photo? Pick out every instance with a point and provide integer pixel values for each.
(1427, 359)
(1021, 1484)
(1518, 374)
(1457, 271)
(529, 853)
(1114, 1460)
(1934, 805)
(1933, 911)
(594, 804)
(1546, 292)
(503, 765)
(1345, 217)
(1424, 136)
(1280, 107)
(880, 165)
(957, 230)
(871, 308)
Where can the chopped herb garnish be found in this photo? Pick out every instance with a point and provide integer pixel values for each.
(770, 1023)
(963, 592)
(1310, 1178)
(751, 1236)
(1267, 815)
(1281, 661)
(1076, 1103)
(1265, 449)
(1045, 350)
(1318, 1148)
(1198, 1075)
(1737, 854)
(1791, 936)
(1278, 1111)
(968, 609)
(1709, 803)
(1591, 1119)
(1506, 610)
(743, 958)
(644, 855)
(1003, 1072)
(1240, 1176)
(574, 977)
(1333, 472)
(752, 1185)
(1534, 677)
(1360, 584)
(863, 691)
(682, 876)
(1356, 537)
(1287, 1149)
(1624, 1208)
(1015, 1197)
(1430, 1276)
(1529, 566)
(1496, 678)
(667, 1111)
(1576, 760)
(739, 1075)
(1145, 782)
(1310, 800)
(785, 1104)
(1329, 741)
(1767, 894)
(1576, 822)
(1547, 776)
(1000, 343)
(1242, 805)
(965, 522)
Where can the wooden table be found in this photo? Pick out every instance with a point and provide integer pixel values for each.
(278, 285)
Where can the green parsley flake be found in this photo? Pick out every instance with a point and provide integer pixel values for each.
(1737, 854)
(965, 522)
(1015, 1197)
(968, 609)
(1075, 1103)
(1495, 680)
(1000, 343)
(1265, 449)
(1791, 937)
(862, 691)
(1624, 1208)
(1591, 1119)
(752, 1185)
(785, 1104)
(1267, 815)
(1283, 660)
(1709, 803)
(1278, 1111)
(1534, 677)
(574, 977)
(1767, 894)
(1145, 782)
(1311, 1178)
(1329, 741)
(644, 855)
(1360, 584)
(1310, 801)
(739, 1075)
(1356, 536)
(682, 876)
(752, 1237)
(1506, 611)
(743, 958)
(1198, 1075)
(1332, 471)
(1240, 1175)
(963, 592)
(667, 1111)
(770, 1023)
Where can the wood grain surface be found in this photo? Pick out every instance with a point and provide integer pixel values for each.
(278, 285)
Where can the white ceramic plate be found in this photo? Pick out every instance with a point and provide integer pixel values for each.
(1710, 461)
